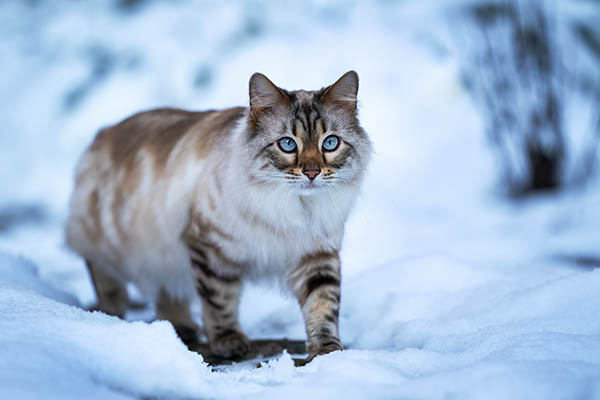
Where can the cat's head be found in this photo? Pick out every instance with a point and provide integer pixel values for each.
(309, 140)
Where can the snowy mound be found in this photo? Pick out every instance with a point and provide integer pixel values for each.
(487, 338)
(53, 350)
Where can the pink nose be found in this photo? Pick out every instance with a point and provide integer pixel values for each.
(311, 172)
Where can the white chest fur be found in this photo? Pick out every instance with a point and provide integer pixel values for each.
(273, 227)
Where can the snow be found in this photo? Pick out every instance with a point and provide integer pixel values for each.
(53, 350)
(448, 289)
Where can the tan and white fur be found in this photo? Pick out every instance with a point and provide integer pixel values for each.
(186, 204)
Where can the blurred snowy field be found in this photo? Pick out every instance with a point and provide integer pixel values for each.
(448, 289)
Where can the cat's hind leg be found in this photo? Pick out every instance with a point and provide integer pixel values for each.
(110, 292)
(178, 313)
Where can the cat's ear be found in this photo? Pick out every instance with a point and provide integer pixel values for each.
(343, 92)
(264, 95)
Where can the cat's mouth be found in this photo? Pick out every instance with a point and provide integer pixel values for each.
(309, 187)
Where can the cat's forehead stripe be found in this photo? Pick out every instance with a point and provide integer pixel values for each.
(307, 114)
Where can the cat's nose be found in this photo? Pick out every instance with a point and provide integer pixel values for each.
(311, 172)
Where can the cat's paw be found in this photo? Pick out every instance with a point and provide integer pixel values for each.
(231, 344)
(187, 335)
(323, 349)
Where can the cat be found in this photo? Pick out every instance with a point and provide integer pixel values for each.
(185, 203)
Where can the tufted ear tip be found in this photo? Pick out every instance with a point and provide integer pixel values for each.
(258, 80)
(351, 78)
(263, 93)
(343, 92)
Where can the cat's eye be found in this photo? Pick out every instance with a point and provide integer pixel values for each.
(287, 144)
(331, 143)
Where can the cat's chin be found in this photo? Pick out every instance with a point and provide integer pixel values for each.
(309, 188)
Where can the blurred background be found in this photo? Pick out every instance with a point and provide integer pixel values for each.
(470, 264)
(484, 114)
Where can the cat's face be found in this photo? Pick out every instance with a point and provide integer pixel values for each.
(308, 140)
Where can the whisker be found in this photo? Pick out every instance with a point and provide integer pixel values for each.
(337, 206)
(358, 207)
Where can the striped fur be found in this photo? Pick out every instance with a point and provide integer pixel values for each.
(186, 204)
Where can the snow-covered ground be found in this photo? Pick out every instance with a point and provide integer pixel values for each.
(449, 291)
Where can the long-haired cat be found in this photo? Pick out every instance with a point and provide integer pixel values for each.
(187, 203)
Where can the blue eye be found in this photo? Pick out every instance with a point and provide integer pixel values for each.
(331, 143)
(287, 144)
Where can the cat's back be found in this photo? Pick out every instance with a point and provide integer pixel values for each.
(132, 183)
(145, 143)
(155, 133)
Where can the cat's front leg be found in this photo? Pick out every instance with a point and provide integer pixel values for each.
(316, 283)
(220, 295)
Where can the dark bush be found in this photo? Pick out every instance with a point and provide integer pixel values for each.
(514, 63)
